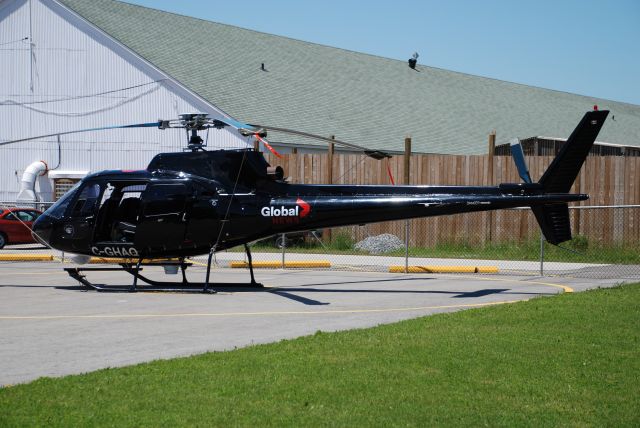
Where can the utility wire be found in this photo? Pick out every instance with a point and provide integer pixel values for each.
(15, 41)
(84, 113)
(11, 102)
(362, 157)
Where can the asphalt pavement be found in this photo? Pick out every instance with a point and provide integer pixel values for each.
(51, 326)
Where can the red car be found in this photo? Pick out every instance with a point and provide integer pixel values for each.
(15, 225)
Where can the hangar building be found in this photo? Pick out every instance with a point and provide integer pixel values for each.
(73, 64)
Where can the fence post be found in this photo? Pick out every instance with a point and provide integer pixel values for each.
(407, 179)
(284, 248)
(331, 150)
(576, 219)
(491, 152)
(541, 254)
(256, 145)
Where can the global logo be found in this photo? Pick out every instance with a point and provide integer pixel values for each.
(302, 209)
(305, 207)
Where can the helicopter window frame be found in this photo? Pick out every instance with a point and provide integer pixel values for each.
(60, 207)
(157, 202)
(130, 189)
(85, 204)
(133, 191)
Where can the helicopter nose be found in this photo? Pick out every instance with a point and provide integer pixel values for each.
(41, 230)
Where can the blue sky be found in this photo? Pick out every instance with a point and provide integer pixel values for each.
(585, 47)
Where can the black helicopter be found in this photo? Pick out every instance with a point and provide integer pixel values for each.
(197, 202)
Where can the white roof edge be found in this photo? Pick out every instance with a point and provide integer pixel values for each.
(600, 143)
(67, 174)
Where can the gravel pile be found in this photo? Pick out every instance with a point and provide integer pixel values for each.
(380, 244)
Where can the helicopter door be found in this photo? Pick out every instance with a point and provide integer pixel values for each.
(162, 225)
(118, 212)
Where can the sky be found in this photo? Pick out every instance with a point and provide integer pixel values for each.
(585, 47)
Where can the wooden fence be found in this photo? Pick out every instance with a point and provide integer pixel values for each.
(608, 180)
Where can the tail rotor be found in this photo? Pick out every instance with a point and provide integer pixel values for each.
(518, 157)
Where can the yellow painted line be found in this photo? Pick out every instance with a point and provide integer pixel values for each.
(195, 263)
(487, 269)
(565, 288)
(275, 265)
(239, 314)
(26, 257)
(444, 269)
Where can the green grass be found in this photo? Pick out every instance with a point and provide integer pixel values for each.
(572, 359)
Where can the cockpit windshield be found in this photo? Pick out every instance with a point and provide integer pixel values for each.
(58, 209)
(86, 201)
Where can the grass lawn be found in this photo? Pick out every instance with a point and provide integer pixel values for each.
(572, 359)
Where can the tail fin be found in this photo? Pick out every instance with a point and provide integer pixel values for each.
(562, 172)
(559, 177)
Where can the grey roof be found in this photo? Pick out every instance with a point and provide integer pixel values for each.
(360, 98)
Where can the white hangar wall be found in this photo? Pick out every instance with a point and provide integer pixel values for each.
(73, 76)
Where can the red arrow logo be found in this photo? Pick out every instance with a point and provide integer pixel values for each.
(306, 208)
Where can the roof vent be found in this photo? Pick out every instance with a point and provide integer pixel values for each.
(413, 60)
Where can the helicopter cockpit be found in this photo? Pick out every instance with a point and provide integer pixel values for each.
(122, 214)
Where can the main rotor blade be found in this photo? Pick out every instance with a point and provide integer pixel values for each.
(135, 125)
(518, 157)
(376, 154)
(245, 129)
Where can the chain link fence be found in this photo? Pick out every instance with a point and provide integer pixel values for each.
(42, 206)
(605, 244)
(507, 242)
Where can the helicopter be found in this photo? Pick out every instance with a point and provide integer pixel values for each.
(199, 202)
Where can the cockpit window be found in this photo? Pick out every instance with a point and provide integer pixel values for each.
(87, 200)
(58, 209)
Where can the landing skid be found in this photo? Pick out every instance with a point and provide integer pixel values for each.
(153, 285)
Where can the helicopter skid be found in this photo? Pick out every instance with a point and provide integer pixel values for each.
(151, 285)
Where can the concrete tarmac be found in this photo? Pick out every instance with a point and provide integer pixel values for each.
(51, 326)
